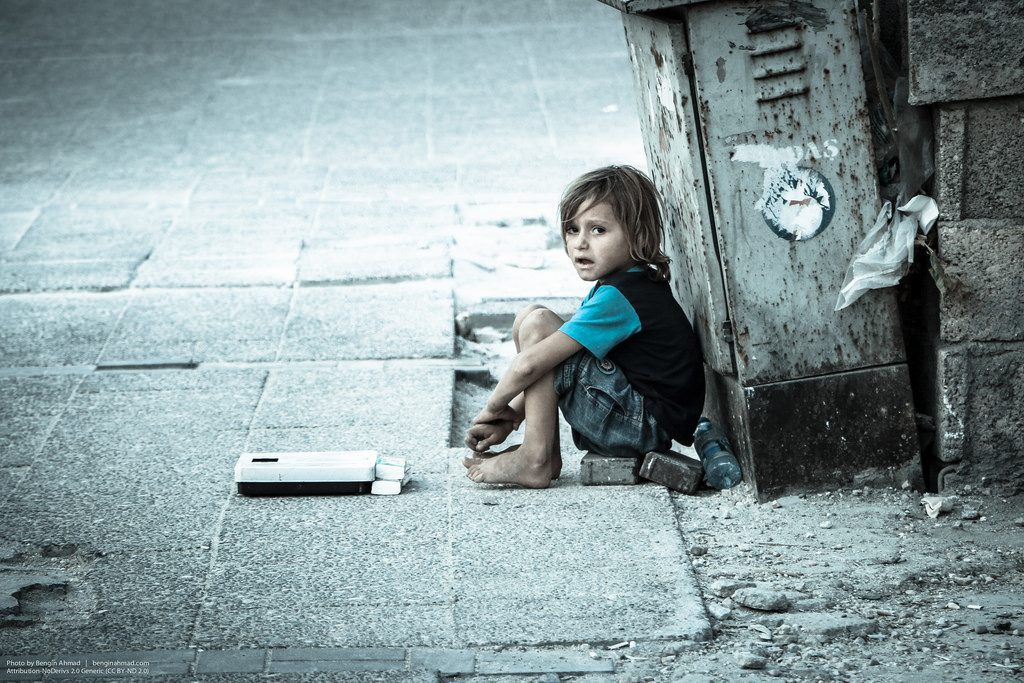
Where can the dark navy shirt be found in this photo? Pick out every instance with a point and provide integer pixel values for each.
(638, 325)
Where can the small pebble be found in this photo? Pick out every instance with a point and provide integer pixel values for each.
(827, 524)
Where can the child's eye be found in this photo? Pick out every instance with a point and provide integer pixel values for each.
(571, 230)
(598, 230)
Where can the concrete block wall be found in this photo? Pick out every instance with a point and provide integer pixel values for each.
(965, 61)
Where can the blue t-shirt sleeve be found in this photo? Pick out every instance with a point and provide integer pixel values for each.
(603, 321)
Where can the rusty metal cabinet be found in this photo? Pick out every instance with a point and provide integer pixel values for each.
(756, 132)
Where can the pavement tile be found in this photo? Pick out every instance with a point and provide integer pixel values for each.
(57, 329)
(134, 449)
(222, 244)
(118, 505)
(408, 320)
(28, 407)
(343, 262)
(237, 324)
(354, 550)
(182, 401)
(373, 177)
(276, 269)
(141, 581)
(396, 409)
(92, 232)
(406, 218)
(358, 394)
(92, 275)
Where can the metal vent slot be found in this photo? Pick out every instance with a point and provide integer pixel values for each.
(778, 72)
(778, 63)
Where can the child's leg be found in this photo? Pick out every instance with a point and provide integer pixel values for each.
(538, 460)
(481, 437)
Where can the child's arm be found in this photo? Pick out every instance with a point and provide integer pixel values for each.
(526, 368)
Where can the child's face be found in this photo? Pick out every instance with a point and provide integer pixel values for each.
(597, 243)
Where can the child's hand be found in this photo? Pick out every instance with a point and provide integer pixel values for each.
(482, 436)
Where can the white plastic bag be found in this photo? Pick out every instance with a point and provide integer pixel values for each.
(885, 254)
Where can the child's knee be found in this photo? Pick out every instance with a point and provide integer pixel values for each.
(524, 314)
(537, 323)
(521, 318)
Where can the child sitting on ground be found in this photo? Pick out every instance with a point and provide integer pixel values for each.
(626, 369)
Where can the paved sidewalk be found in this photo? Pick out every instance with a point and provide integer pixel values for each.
(230, 227)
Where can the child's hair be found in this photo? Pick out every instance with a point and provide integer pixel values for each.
(634, 200)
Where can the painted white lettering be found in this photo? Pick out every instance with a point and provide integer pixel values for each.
(767, 156)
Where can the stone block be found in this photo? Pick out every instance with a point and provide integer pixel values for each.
(980, 425)
(598, 470)
(677, 471)
(983, 266)
(974, 143)
(763, 599)
(945, 35)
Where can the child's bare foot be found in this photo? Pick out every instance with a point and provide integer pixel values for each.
(556, 459)
(516, 466)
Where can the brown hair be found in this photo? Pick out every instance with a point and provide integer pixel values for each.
(634, 200)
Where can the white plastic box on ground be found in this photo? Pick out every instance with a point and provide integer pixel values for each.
(313, 473)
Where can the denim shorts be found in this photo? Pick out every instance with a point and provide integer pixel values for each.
(606, 414)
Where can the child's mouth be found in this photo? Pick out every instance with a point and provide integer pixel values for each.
(584, 262)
